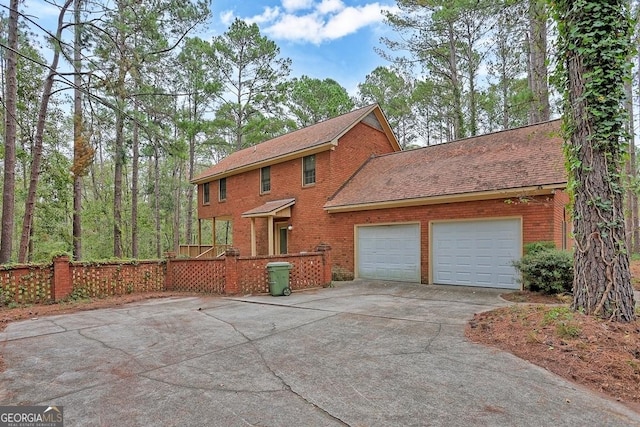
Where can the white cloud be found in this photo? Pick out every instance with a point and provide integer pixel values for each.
(351, 19)
(293, 5)
(331, 20)
(270, 14)
(330, 6)
(309, 21)
(297, 28)
(227, 17)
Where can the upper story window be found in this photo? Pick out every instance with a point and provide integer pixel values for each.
(205, 193)
(309, 170)
(265, 179)
(222, 189)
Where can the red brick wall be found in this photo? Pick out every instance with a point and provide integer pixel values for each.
(309, 220)
(26, 284)
(539, 216)
(355, 148)
(306, 272)
(562, 221)
(32, 284)
(213, 275)
(117, 278)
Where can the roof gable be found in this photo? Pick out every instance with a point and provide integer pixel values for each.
(529, 156)
(309, 140)
(269, 208)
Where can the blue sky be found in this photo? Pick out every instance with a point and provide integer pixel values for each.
(323, 38)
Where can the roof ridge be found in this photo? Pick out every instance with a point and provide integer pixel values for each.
(467, 138)
(307, 127)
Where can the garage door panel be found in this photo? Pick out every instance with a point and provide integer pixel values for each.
(462, 244)
(484, 261)
(484, 244)
(389, 252)
(476, 253)
(504, 277)
(463, 277)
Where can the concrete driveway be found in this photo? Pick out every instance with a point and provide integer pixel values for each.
(359, 354)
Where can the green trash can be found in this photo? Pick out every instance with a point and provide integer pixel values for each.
(279, 278)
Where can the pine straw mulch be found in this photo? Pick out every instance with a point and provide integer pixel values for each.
(603, 356)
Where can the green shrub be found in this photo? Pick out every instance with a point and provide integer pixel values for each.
(535, 247)
(549, 271)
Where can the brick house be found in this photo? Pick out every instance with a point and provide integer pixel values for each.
(455, 213)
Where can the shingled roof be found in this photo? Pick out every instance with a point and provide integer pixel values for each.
(309, 140)
(529, 157)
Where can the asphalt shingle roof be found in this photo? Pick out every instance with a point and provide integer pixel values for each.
(269, 207)
(523, 157)
(299, 140)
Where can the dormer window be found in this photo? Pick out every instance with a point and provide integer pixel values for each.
(309, 170)
(265, 179)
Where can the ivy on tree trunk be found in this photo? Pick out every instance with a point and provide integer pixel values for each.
(594, 49)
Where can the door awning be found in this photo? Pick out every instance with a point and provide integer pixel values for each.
(275, 208)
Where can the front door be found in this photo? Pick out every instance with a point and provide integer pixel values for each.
(281, 238)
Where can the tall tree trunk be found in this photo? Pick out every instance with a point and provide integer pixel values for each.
(134, 181)
(503, 51)
(473, 104)
(78, 138)
(631, 198)
(177, 175)
(117, 182)
(190, 192)
(602, 282)
(472, 71)
(458, 116)
(634, 166)
(10, 129)
(119, 151)
(540, 109)
(505, 104)
(27, 223)
(156, 193)
(635, 248)
(240, 116)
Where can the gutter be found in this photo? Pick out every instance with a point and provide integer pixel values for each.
(538, 190)
(325, 146)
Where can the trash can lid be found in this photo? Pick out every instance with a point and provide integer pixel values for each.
(278, 264)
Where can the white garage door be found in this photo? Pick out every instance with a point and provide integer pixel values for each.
(476, 253)
(389, 252)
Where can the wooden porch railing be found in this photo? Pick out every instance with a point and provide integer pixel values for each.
(203, 251)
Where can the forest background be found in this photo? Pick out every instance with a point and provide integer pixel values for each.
(110, 116)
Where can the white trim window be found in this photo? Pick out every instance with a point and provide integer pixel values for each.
(265, 179)
(309, 170)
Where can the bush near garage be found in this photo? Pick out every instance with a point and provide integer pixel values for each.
(546, 269)
(535, 247)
